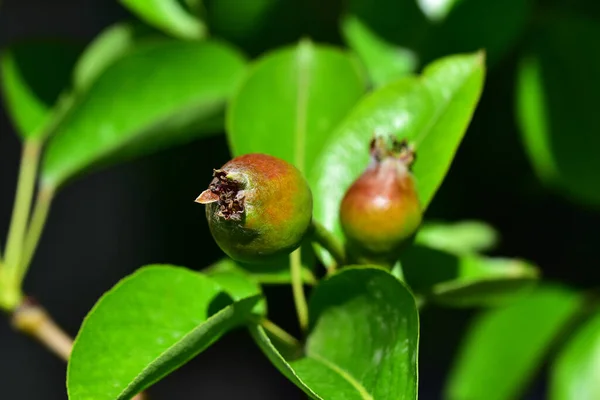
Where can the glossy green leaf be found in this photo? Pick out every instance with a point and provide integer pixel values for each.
(459, 237)
(363, 342)
(467, 279)
(431, 111)
(148, 325)
(291, 101)
(34, 75)
(471, 25)
(505, 346)
(161, 94)
(168, 15)
(110, 45)
(557, 118)
(384, 61)
(576, 368)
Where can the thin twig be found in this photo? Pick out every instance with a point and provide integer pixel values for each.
(330, 243)
(32, 319)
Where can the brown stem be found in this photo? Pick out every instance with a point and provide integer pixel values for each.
(32, 319)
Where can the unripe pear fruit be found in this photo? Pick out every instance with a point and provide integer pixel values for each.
(380, 212)
(258, 208)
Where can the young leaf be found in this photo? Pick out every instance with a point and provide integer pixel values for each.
(363, 342)
(465, 279)
(505, 346)
(290, 102)
(149, 324)
(34, 75)
(168, 15)
(431, 111)
(110, 45)
(557, 118)
(384, 61)
(161, 94)
(575, 370)
(462, 237)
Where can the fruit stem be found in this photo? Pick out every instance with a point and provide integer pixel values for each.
(330, 243)
(20, 215)
(298, 288)
(279, 333)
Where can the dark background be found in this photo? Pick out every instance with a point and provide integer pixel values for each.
(108, 224)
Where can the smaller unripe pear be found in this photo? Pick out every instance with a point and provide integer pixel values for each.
(380, 212)
(258, 208)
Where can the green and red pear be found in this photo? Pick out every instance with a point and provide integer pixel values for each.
(258, 207)
(380, 212)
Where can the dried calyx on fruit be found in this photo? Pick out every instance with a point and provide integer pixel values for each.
(258, 208)
(380, 212)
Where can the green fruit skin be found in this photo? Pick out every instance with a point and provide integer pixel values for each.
(277, 210)
(380, 212)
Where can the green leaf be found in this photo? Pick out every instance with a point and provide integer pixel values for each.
(110, 45)
(363, 343)
(431, 111)
(161, 94)
(575, 370)
(34, 75)
(149, 324)
(556, 117)
(291, 101)
(168, 15)
(505, 346)
(467, 279)
(384, 61)
(459, 237)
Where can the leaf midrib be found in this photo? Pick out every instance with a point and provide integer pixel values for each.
(362, 391)
(303, 58)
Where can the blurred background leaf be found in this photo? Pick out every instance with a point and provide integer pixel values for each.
(34, 75)
(291, 101)
(465, 280)
(384, 61)
(431, 111)
(504, 347)
(148, 325)
(576, 368)
(164, 93)
(556, 115)
(106, 48)
(437, 10)
(461, 237)
(168, 15)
